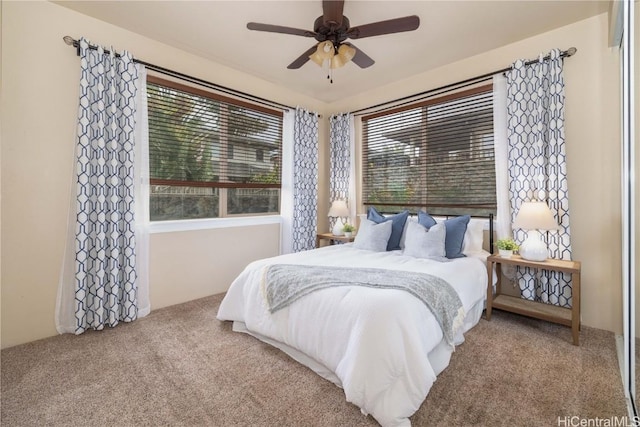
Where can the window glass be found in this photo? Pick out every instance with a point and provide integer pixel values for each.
(203, 157)
(177, 202)
(436, 155)
(253, 200)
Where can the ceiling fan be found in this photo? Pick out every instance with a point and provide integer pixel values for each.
(332, 29)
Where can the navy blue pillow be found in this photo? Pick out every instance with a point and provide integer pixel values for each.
(397, 225)
(456, 227)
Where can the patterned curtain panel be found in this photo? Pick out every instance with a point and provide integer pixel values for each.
(305, 180)
(104, 282)
(537, 165)
(340, 160)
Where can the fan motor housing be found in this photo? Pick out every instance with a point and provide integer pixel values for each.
(327, 32)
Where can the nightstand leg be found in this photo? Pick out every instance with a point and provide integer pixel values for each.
(575, 307)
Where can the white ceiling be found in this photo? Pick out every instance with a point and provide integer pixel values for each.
(449, 31)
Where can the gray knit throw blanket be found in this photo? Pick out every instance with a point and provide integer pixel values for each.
(283, 284)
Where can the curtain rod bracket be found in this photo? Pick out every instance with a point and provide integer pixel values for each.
(72, 42)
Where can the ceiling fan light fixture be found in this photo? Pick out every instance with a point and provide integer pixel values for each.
(316, 58)
(324, 51)
(337, 62)
(344, 55)
(346, 52)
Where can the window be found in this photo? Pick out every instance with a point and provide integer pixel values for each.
(436, 155)
(259, 155)
(202, 158)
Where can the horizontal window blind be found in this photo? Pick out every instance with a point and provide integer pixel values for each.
(200, 139)
(436, 155)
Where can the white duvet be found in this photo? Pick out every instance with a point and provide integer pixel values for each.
(375, 341)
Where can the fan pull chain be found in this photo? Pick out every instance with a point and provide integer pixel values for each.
(327, 64)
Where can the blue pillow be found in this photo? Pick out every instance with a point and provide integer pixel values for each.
(397, 225)
(425, 219)
(456, 227)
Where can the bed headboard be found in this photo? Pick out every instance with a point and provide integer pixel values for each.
(489, 239)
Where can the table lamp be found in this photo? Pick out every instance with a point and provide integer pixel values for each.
(534, 216)
(338, 210)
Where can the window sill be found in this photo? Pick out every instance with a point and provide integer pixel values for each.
(206, 224)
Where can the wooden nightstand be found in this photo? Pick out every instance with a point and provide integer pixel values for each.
(551, 313)
(331, 238)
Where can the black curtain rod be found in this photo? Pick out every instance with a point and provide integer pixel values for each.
(452, 86)
(239, 94)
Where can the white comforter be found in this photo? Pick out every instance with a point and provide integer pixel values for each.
(375, 341)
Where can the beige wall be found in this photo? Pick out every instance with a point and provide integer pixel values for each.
(193, 264)
(39, 107)
(593, 148)
(39, 96)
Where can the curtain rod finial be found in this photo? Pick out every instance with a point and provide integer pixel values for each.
(571, 51)
(69, 40)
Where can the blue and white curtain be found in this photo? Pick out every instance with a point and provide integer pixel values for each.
(100, 283)
(299, 208)
(537, 165)
(341, 166)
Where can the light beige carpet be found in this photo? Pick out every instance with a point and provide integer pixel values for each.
(181, 367)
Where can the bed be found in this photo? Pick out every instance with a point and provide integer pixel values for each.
(383, 346)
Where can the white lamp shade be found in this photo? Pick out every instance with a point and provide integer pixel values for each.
(338, 209)
(535, 216)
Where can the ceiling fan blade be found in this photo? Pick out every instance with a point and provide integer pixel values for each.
(302, 59)
(361, 59)
(332, 12)
(279, 29)
(398, 25)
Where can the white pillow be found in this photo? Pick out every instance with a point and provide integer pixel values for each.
(403, 239)
(474, 236)
(423, 243)
(372, 236)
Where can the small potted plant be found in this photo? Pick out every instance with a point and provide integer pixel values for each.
(506, 247)
(348, 230)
